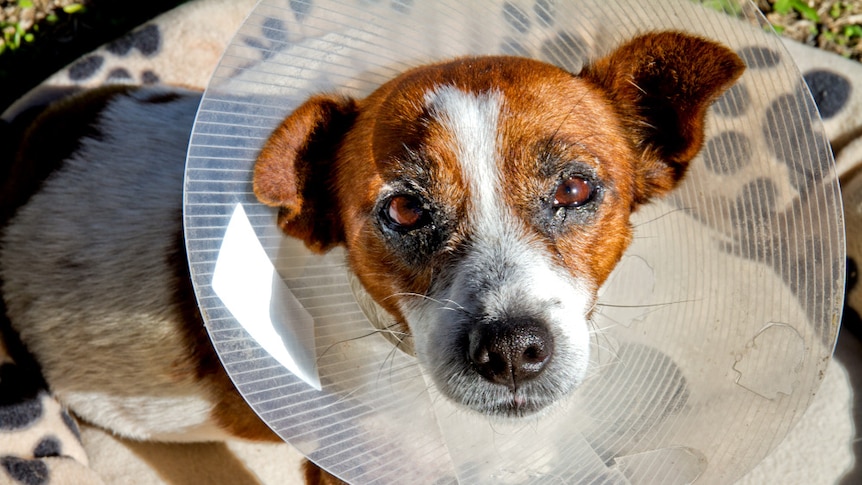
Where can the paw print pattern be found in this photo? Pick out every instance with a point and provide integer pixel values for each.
(830, 90)
(31, 427)
(147, 41)
(86, 67)
(635, 364)
(785, 127)
(567, 49)
(48, 447)
(790, 240)
(275, 33)
(734, 102)
(769, 217)
(301, 8)
(544, 10)
(23, 409)
(752, 212)
(516, 17)
(20, 400)
(759, 57)
(27, 472)
(727, 152)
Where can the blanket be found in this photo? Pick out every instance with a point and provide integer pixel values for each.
(42, 443)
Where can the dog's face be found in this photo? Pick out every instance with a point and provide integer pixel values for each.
(484, 201)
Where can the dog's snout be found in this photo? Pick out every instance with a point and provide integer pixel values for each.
(510, 353)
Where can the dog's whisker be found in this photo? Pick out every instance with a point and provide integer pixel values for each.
(648, 305)
(648, 308)
(412, 295)
(599, 348)
(457, 305)
(394, 330)
(445, 304)
(376, 331)
(390, 358)
(595, 329)
(662, 216)
(609, 347)
(597, 333)
(633, 83)
(599, 368)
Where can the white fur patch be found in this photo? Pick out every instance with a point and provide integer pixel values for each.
(473, 121)
(505, 258)
(170, 418)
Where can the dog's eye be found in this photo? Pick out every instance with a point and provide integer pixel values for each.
(575, 191)
(405, 212)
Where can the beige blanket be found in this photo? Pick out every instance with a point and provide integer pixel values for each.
(183, 47)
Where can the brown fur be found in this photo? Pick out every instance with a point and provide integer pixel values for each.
(288, 170)
(639, 111)
(314, 475)
(662, 97)
(231, 411)
(638, 114)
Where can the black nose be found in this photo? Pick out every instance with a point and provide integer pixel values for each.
(511, 352)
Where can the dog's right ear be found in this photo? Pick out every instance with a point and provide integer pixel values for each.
(295, 170)
(661, 84)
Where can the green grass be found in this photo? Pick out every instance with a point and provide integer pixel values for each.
(30, 53)
(798, 6)
(16, 34)
(29, 56)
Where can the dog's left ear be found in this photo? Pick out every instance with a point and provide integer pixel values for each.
(295, 170)
(662, 84)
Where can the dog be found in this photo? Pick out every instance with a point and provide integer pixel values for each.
(482, 202)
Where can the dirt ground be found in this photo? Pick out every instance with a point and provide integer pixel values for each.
(835, 26)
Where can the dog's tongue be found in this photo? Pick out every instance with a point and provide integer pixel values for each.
(711, 336)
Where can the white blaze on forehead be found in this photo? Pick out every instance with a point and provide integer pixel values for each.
(501, 239)
(473, 121)
(516, 271)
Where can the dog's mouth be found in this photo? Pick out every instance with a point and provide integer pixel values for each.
(467, 376)
(474, 391)
(517, 405)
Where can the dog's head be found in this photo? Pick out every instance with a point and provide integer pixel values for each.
(485, 200)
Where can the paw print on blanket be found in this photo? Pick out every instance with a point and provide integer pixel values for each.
(145, 42)
(40, 441)
(830, 90)
(568, 49)
(767, 181)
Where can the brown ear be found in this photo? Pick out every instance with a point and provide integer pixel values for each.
(294, 170)
(662, 84)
